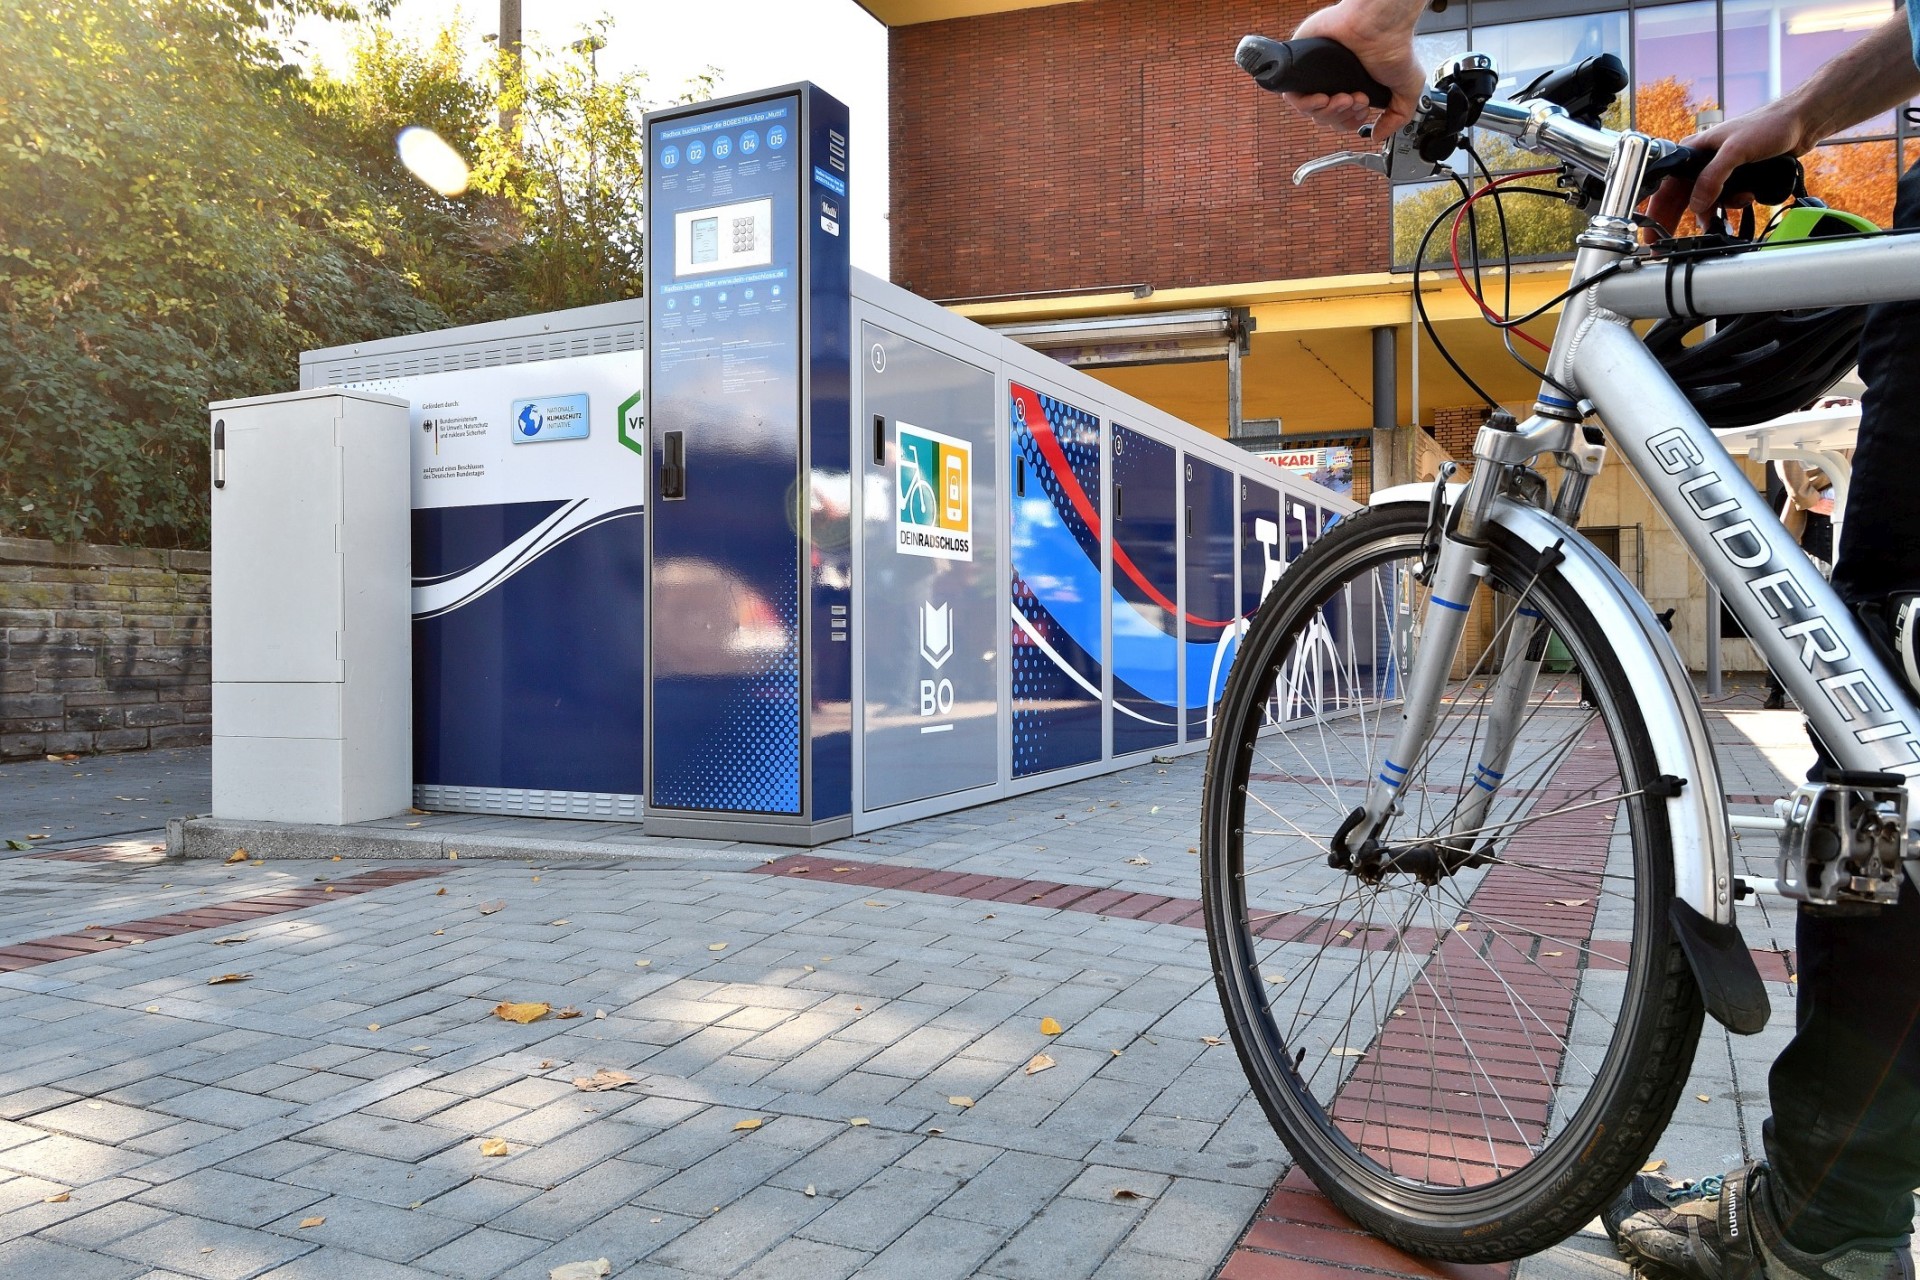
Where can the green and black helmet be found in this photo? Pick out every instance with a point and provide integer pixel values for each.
(1755, 367)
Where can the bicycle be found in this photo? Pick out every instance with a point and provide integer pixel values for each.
(1468, 908)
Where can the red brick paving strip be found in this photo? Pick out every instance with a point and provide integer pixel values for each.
(218, 915)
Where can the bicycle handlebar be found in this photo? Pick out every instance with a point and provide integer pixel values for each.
(1319, 65)
(1312, 65)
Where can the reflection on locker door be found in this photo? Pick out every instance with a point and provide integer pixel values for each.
(1145, 710)
(1209, 552)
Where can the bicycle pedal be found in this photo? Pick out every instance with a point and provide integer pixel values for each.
(1846, 840)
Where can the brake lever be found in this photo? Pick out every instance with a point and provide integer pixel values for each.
(1399, 159)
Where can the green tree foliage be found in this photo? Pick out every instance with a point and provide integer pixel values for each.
(182, 213)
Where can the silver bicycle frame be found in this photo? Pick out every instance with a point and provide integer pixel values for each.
(1598, 366)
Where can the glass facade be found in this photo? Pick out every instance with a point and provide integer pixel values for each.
(1683, 59)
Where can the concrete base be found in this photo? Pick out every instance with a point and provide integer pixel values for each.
(529, 839)
(790, 833)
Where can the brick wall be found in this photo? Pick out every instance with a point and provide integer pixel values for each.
(1111, 142)
(102, 648)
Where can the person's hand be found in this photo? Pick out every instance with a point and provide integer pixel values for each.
(1822, 507)
(1385, 50)
(1774, 130)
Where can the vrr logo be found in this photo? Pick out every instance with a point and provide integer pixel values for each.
(935, 514)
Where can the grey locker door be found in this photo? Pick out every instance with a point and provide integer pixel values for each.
(278, 585)
(930, 553)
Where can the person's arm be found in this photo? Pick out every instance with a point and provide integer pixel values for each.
(1380, 34)
(1874, 75)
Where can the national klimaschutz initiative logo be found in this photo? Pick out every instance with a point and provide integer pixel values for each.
(936, 495)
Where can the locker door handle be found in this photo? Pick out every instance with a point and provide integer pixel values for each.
(673, 465)
(879, 440)
(219, 453)
(1119, 506)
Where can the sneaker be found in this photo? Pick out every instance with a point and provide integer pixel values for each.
(1723, 1228)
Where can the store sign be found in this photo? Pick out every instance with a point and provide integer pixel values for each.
(1330, 467)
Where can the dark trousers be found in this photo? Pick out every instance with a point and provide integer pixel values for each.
(1844, 1139)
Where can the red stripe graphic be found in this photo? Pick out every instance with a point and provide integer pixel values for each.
(1056, 458)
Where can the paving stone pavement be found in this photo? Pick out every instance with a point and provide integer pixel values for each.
(153, 1125)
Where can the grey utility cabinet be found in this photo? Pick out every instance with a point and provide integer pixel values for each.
(312, 666)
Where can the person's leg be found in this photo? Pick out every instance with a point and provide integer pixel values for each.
(1844, 1138)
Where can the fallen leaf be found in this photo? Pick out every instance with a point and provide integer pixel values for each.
(523, 1013)
(19, 845)
(488, 908)
(410, 826)
(1138, 862)
(809, 1191)
(546, 1063)
(716, 946)
(1276, 978)
(809, 968)
(881, 905)
(600, 1015)
(1462, 927)
(1126, 1193)
(438, 932)
(753, 1123)
(493, 1146)
(841, 870)
(554, 924)
(58, 1197)
(229, 977)
(859, 1122)
(153, 1008)
(1346, 933)
(222, 942)
(373, 1026)
(1553, 953)
(1048, 1027)
(41, 836)
(603, 1081)
(1155, 809)
(441, 892)
(641, 964)
(960, 1100)
(568, 1012)
(256, 862)
(799, 871)
(453, 855)
(1114, 1052)
(328, 889)
(239, 855)
(1039, 1062)
(336, 857)
(1341, 1051)
(1569, 902)
(315, 1221)
(936, 1132)
(1653, 1166)
(1703, 1097)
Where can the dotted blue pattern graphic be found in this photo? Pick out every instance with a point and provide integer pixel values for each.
(751, 759)
(1056, 722)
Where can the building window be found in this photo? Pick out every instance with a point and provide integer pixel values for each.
(1684, 58)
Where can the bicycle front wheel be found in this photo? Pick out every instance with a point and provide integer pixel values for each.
(1471, 1038)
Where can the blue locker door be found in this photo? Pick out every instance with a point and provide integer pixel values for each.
(1146, 590)
(1263, 551)
(1056, 625)
(1211, 606)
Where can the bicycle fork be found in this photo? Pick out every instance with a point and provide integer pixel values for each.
(1459, 568)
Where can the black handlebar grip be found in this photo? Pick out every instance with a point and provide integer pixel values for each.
(1312, 65)
(1768, 181)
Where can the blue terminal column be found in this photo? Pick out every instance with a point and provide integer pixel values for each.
(748, 342)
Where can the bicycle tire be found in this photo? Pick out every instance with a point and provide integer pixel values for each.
(1561, 1133)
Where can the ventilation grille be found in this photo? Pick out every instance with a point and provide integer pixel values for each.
(475, 355)
(598, 805)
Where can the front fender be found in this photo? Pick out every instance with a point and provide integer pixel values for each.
(1702, 840)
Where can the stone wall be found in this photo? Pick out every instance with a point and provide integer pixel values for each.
(102, 648)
